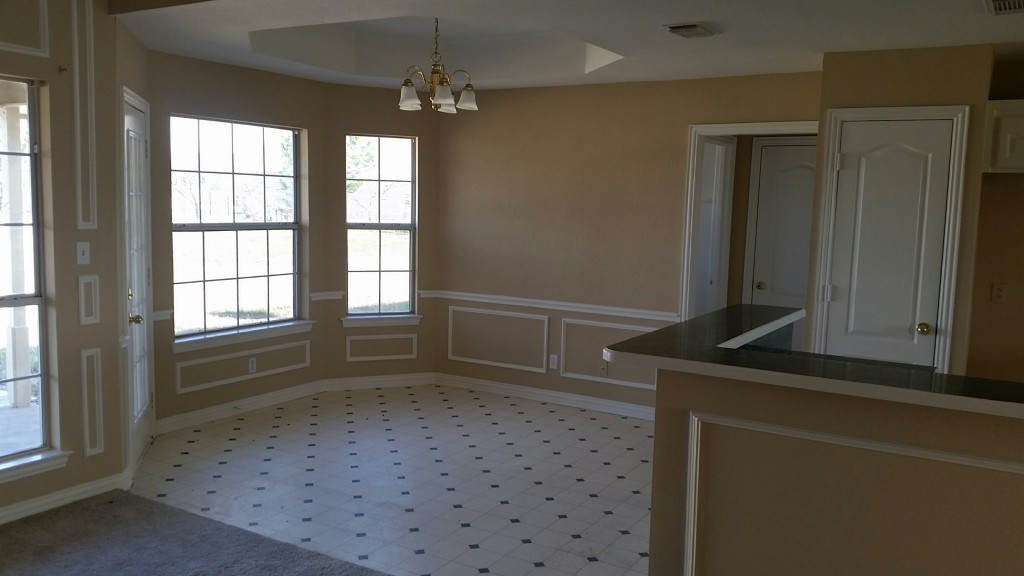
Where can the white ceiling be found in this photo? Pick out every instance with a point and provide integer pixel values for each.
(521, 43)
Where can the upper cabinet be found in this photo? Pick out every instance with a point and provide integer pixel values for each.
(1004, 136)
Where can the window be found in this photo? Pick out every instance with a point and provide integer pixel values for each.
(235, 225)
(380, 213)
(22, 394)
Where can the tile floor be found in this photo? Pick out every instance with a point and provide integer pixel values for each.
(423, 480)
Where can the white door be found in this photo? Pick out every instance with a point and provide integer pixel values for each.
(892, 187)
(712, 207)
(779, 221)
(138, 338)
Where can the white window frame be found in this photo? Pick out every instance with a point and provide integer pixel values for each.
(405, 318)
(248, 332)
(43, 457)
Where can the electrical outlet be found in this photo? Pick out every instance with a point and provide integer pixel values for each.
(998, 294)
(553, 361)
(252, 365)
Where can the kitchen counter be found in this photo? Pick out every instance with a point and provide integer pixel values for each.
(696, 346)
(774, 462)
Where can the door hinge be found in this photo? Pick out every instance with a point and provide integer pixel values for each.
(826, 292)
(839, 161)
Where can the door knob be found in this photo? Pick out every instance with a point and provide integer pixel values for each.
(924, 328)
(137, 319)
(760, 285)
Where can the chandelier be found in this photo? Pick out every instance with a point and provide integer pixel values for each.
(438, 84)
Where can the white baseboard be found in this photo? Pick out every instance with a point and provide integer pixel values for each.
(563, 398)
(43, 503)
(179, 421)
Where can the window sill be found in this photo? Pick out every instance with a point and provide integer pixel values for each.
(385, 320)
(249, 334)
(32, 464)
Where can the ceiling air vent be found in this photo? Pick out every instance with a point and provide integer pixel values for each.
(699, 31)
(1004, 7)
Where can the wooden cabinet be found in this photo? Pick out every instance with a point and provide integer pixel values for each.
(1004, 136)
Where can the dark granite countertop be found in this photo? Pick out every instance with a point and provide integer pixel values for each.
(687, 346)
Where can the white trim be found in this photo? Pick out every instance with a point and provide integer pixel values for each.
(697, 132)
(85, 168)
(162, 315)
(258, 374)
(243, 334)
(818, 309)
(53, 500)
(92, 412)
(552, 305)
(562, 398)
(31, 464)
(42, 51)
(753, 200)
(318, 296)
(698, 419)
(196, 417)
(562, 371)
(763, 330)
(543, 365)
(379, 321)
(89, 308)
(350, 358)
(692, 489)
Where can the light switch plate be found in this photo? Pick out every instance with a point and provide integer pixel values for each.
(82, 252)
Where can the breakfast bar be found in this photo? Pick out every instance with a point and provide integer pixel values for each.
(774, 461)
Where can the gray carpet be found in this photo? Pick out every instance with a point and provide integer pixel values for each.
(119, 534)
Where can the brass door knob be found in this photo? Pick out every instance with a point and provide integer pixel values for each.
(760, 285)
(924, 328)
(135, 319)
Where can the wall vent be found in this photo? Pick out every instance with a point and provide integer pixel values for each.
(699, 30)
(1004, 7)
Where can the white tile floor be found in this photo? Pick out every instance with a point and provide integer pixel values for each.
(423, 480)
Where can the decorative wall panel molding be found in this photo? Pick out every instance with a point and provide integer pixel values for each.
(352, 352)
(553, 305)
(92, 401)
(22, 43)
(232, 367)
(84, 77)
(506, 335)
(632, 376)
(89, 299)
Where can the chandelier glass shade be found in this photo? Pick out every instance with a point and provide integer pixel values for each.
(438, 84)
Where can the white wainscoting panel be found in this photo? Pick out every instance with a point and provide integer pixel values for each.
(92, 401)
(566, 322)
(304, 345)
(42, 49)
(89, 299)
(349, 357)
(542, 335)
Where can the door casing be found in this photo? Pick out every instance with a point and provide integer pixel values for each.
(698, 132)
(818, 305)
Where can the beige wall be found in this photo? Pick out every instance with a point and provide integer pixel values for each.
(996, 340)
(62, 209)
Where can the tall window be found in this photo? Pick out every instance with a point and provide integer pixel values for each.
(233, 214)
(22, 394)
(380, 211)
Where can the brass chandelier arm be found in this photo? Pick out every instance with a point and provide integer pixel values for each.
(414, 71)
